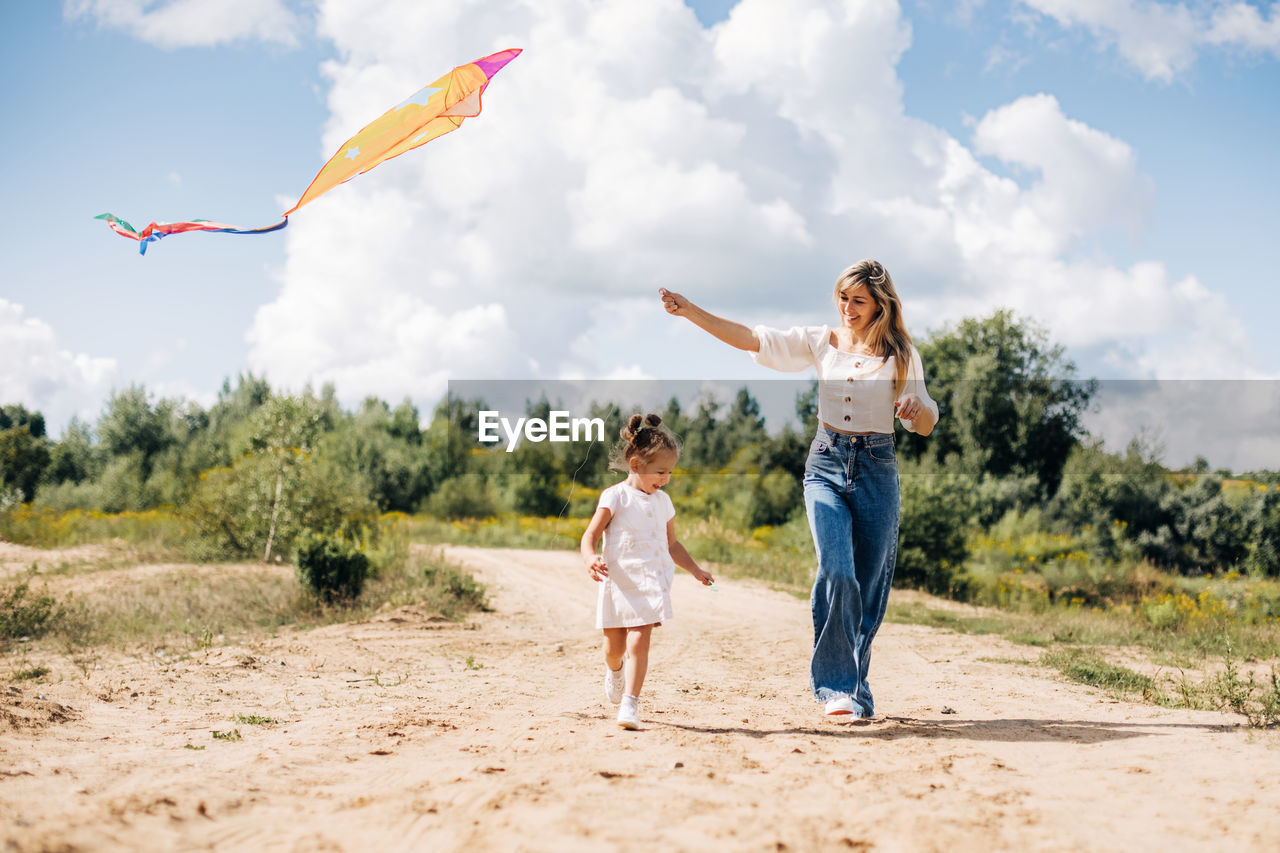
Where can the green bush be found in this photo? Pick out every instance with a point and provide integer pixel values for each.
(332, 566)
(936, 512)
(463, 497)
(232, 509)
(22, 615)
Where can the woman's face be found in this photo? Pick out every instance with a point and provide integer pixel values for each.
(857, 308)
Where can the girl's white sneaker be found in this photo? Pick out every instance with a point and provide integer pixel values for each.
(839, 706)
(629, 713)
(613, 684)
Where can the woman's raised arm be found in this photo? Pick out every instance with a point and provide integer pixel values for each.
(733, 334)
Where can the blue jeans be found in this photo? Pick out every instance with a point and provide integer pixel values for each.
(851, 496)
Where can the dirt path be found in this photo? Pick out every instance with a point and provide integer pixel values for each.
(408, 733)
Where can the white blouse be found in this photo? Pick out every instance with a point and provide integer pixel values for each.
(855, 392)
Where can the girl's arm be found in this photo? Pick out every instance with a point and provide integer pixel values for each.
(594, 562)
(733, 334)
(682, 559)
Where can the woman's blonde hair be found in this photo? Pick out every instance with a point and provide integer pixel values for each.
(887, 335)
(642, 436)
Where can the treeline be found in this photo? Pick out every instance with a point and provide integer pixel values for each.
(258, 467)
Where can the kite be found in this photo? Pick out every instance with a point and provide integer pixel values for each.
(428, 114)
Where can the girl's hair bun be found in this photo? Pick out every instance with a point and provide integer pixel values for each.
(643, 436)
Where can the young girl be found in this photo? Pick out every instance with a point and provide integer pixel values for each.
(640, 547)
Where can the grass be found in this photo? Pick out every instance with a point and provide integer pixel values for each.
(155, 533)
(256, 720)
(192, 605)
(1191, 640)
(24, 616)
(501, 531)
(231, 736)
(1086, 667)
(1075, 640)
(31, 674)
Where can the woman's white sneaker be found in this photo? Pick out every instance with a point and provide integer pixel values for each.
(839, 706)
(613, 684)
(629, 713)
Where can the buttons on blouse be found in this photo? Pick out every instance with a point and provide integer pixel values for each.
(847, 418)
(848, 399)
(850, 379)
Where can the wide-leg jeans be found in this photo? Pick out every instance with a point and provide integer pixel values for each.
(851, 496)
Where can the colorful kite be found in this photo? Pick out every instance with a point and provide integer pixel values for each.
(428, 114)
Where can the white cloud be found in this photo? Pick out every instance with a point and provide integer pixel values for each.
(745, 165)
(1086, 178)
(192, 23)
(1244, 25)
(36, 372)
(1162, 40)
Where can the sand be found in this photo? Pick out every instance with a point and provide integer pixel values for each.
(408, 732)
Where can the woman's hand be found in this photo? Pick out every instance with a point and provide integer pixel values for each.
(675, 303)
(598, 569)
(909, 407)
(733, 334)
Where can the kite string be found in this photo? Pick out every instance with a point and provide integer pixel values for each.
(574, 480)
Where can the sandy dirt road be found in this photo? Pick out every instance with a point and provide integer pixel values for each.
(410, 733)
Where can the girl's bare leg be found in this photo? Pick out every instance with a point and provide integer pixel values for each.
(615, 646)
(637, 657)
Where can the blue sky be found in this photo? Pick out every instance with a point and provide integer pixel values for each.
(1106, 170)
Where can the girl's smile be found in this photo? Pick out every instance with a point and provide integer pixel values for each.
(651, 475)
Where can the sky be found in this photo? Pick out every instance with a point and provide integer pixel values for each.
(1105, 170)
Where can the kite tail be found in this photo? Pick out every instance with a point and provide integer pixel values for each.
(157, 230)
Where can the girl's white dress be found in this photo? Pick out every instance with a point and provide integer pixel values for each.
(637, 590)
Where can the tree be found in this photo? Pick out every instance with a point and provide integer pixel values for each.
(24, 451)
(1010, 401)
(23, 459)
(131, 425)
(285, 430)
(16, 415)
(74, 457)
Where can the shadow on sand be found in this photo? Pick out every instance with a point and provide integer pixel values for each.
(1006, 731)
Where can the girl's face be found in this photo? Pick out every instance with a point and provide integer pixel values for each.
(651, 475)
(857, 308)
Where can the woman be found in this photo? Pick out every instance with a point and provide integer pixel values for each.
(868, 372)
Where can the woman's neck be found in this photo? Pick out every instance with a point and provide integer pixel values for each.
(854, 341)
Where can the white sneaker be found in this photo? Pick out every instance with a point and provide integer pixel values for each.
(839, 706)
(629, 713)
(613, 684)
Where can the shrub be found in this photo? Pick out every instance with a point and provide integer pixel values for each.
(22, 615)
(463, 497)
(233, 509)
(332, 566)
(936, 512)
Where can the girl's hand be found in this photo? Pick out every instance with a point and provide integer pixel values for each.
(909, 407)
(674, 302)
(597, 569)
(704, 578)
